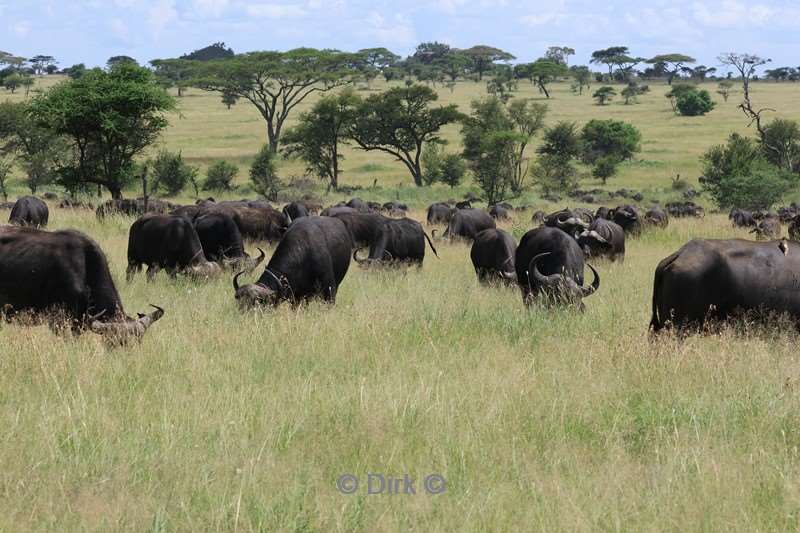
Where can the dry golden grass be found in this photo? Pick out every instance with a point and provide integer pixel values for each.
(538, 419)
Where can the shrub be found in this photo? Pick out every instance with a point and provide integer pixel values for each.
(694, 103)
(738, 175)
(263, 174)
(781, 144)
(609, 138)
(171, 173)
(604, 94)
(555, 174)
(453, 169)
(605, 167)
(220, 176)
(561, 140)
(432, 156)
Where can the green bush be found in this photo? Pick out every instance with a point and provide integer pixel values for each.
(609, 138)
(171, 173)
(453, 169)
(738, 175)
(694, 103)
(605, 167)
(432, 156)
(220, 176)
(264, 175)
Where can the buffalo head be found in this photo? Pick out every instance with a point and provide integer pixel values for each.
(592, 242)
(258, 294)
(561, 286)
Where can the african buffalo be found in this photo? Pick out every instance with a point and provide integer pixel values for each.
(439, 213)
(499, 212)
(400, 241)
(133, 207)
(629, 218)
(29, 211)
(742, 218)
(655, 216)
(467, 223)
(603, 212)
(568, 221)
(222, 241)
(168, 242)
(603, 238)
(768, 228)
(492, 256)
(64, 272)
(310, 261)
(550, 263)
(294, 210)
(716, 279)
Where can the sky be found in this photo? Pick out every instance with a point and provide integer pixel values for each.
(91, 31)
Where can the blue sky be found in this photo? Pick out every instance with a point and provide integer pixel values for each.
(90, 31)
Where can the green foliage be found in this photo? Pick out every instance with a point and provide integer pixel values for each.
(673, 63)
(605, 167)
(5, 174)
(604, 94)
(400, 122)
(678, 90)
(694, 103)
(555, 171)
(318, 135)
(583, 78)
(737, 174)
(276, 82)
(75, 71)
(633, 91)
(109, 117)
(171, 173)
(432, 158)
(264, 174)
(724, 89)
(483, 58)
(561, 140)
(173, 73)
(503, 84)
(220, 176)
(208, 53)
(453, 170)
(781, 144)
(609, 138)
(14, 81)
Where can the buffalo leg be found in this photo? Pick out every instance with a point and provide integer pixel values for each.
(152, 270)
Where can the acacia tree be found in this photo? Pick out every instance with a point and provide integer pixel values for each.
(319, 133)
(173, 73)
(400, 122)
(108, 118)
(583, 78)
(559, 54)
(484, 57)
(373, 61)
(611, 57)
(276, 82)
(673, 64)
(545, 71)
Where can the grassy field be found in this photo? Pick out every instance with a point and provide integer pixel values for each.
(537, 419)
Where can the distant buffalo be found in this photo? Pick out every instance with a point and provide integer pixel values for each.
(603, 238)
(492, 256)
(29, 211)
(467, 223)
(439, 213)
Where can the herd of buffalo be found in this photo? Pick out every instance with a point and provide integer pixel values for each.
(64, 275)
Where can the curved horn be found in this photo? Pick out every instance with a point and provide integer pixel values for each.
(388, 255)
(236, 280)
(588, 291)
(355, 256)
(560, 223)
(276, 278)
(257, 261)
(547, 281)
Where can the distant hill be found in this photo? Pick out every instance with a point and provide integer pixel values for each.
(214, 51)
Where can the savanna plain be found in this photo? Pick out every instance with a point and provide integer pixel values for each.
(538, 419)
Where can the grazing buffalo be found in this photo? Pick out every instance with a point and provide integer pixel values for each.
(716, 279)
(439, 213)
(400, 241)
(391, 207)
(467, 223)
(656, 216)
(499, 212)
(550, 263)
(603, 212)
(358, 204)
(260, 222)
(294, 210)
(741, 218)
(222, 241)
(310, 262)
(568, 221)
(768, 228)
(67, 273)
(492, 256)
(629, 219)
(335, 210)
(70, 203)
(168, 242)
(794, 228)
(133, 207)
(685, 209)
(603, 238)
(29, 211)
(465, 204)
(366, 229)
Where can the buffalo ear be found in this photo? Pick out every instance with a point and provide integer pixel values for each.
(141, 315)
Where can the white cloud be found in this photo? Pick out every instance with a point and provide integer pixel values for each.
(21, 28)
(732, 13)
(210, 8)
(275, 11)
(160, 15)
(395, 32)
(119, 29)
(555, 12)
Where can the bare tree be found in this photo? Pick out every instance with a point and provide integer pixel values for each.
(747, 64)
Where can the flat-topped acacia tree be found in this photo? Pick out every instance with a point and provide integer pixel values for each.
(276, 82)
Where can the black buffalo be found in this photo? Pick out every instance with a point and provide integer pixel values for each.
(499, 212)
(168, 242)
(568, 221)
(685, 209)
(334, 210)
(29, 211)
(655, 216)
(222, 241)
(538, 217)
(769, 227)
(133, 207)
(742, 218)
(399, 241)
(294, 210)
(603, 212)
(603, 238)
(712, 280)
(794, 228)
(439, 213)
(467, 223)
(67, 273)
(310, 262)
(629, 219)
(549, 264)
(492, 255)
